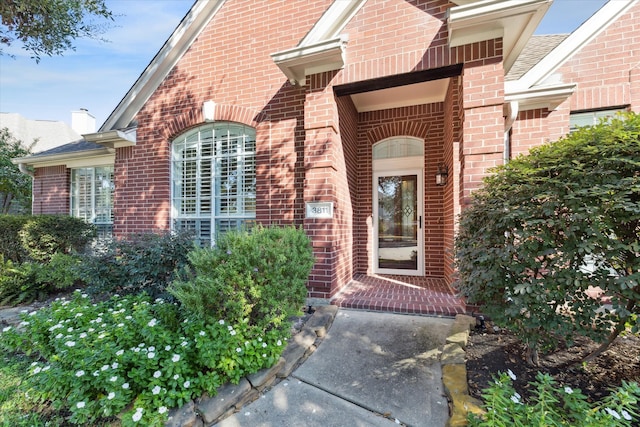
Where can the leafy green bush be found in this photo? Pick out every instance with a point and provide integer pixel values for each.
(10, 244)
(133, 358)
(548, 228)
(259, 276)
(44, 235)
(61, 272)
(18, 283)
(554, 405)
(142, 262)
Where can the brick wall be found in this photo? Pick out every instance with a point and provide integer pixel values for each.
(51, 190)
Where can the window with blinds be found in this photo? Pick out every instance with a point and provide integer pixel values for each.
(214, 180)
(92, 197)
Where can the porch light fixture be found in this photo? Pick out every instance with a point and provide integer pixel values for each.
(441, 175)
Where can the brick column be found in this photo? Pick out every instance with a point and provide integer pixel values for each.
(320, 183)
(483, 126)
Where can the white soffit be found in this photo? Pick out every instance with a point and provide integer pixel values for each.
(174, 48)
(548, 97)
(401, 96)
(513, 20)
(323, 48)
(79, 159)
(544, 70)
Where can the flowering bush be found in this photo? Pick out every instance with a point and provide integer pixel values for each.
(133, 358)
(554, 405)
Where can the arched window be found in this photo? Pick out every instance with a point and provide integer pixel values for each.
(214, 180)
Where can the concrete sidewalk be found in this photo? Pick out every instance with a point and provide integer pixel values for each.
(372, 369)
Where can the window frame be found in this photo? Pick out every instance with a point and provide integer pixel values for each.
(222, 162)
(93, 213)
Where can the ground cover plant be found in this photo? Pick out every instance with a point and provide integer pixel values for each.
(129, 359)
(550, 246)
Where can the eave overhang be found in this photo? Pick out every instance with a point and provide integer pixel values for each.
(513, 20)
(85, 158)
(302, 61)
(539, 97)
(112, 138)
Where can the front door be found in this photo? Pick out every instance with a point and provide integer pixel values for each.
(398, 236)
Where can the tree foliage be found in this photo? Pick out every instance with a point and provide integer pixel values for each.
(554, 235)
(49, 27)
(14, 185)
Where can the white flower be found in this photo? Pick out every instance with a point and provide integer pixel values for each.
(264, 355)
(156, 390)
(238, 349)
(568, 390)
(152, 323)
(625, 415)
(59, 336)
(80, 405)
(37, 370)
(111, 395)
(175, 358)
(515, 398)
(152, 348)
(70, 343)
(96, 373)
(83, 335)
(125, 386)
(128, 317)
(167, 348)
(84, 295)
(201, 333)
(264, 345)
(119, 352)
(157, 374)
(120, 325)
(509, 371)
(221, 321)
(279, 342)
(162, 409)
(114, 365)
(187, 384)
(79, 373)
(184, 343)
(137, 416)
(259, 339)
(151, 355)
(104, 367)
(613, 413)
(69, 329)
(230, 328)
(46, 368)
(113, 379)
(176, 376)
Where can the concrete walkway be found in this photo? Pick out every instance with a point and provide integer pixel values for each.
(372, 369)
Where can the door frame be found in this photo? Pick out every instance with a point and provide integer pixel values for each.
(398, 167)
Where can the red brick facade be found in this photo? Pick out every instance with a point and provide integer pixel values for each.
(313, 144)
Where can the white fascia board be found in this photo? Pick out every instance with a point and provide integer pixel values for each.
(111, 138)
(572, 44)
(513, 20)
(174, 48)
(301, 61)
(85, 158)
(332, 21)
(540, 96)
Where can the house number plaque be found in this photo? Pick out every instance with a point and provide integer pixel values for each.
(319, 209)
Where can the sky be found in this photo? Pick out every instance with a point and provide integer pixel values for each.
(97, 74)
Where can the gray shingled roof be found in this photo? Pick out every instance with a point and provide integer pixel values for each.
(536, 48)
(72, 147)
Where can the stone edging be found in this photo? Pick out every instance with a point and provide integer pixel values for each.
(454, 372)
(231, 397)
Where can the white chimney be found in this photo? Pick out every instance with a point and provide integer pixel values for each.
(83, 122)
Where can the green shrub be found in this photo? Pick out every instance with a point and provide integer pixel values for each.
(61, 272)
(10, 244)
(547, 227)
(132, 357)
(142, 262)
(554, 405)
(44, 235)
(259, 276)
(18, 283)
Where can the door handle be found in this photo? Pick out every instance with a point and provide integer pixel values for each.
(420, 222)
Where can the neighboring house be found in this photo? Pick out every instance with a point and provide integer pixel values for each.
(369, 123)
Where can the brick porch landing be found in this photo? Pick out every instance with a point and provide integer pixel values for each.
(400, 294)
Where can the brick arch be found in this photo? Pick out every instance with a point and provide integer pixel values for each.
(223, 112)
(407, 128)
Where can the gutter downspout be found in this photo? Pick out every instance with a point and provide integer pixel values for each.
(512, 113)
(23, 168)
